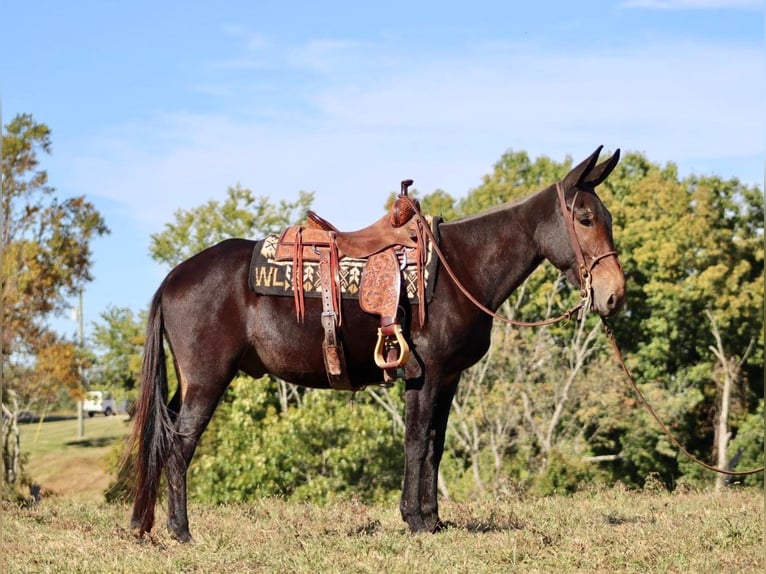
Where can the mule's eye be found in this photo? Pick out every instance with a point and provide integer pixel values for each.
(586, 221)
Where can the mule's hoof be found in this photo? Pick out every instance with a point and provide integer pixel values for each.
(418, 527)
(183, 537)
(439, 526)
(136, 530)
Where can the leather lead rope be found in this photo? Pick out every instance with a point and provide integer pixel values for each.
(657, 419)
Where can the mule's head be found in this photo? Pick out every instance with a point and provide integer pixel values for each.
(590, 258)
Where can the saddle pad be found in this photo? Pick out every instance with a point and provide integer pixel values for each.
(270, 277)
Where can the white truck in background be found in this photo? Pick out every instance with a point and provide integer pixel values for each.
(99, 402)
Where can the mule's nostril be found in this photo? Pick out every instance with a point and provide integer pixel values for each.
(611, 302)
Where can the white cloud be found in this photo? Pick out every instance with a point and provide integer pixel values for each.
(694, 4)
(321, 55)
(368, 123)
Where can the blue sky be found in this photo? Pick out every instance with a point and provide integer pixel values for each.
(160, 106)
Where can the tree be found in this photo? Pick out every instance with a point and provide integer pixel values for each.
(687, 246)
(748, 447)
(729, 368)
(437, 203)
(118, 340)
(46, 259)
(240, 215)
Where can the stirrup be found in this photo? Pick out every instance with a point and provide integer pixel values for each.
(388, 342)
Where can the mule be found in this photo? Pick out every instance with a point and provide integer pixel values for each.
(215, 326)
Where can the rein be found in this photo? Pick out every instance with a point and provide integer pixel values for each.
(584, 303)
(585, 278)
(656, 417)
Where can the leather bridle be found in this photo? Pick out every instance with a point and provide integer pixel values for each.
(585, 269)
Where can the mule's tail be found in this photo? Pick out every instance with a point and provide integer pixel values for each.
(153, 437)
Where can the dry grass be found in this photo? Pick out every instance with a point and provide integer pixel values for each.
(606, 530)
(611, 530)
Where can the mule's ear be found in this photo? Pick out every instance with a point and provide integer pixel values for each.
(574, 177)
(602, 170)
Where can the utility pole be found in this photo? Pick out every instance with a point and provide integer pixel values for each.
(81, 343)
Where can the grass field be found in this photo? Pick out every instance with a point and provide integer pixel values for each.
(66, 465)
(604, 530)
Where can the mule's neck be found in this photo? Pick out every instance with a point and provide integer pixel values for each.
(496, 250)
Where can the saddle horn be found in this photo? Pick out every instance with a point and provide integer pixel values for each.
(402, 211)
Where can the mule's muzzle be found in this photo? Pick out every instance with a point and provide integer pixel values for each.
(607, 281)
(609, 298)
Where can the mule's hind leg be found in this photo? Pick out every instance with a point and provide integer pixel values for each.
(195, 408)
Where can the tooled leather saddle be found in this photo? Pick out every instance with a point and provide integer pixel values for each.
(387, 245)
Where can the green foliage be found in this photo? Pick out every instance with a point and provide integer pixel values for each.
(118, 340)
(240, 215)
(688, 246)
(566, 473)
(437, 203)
(750, 440)
(323, 449)
(513, 176)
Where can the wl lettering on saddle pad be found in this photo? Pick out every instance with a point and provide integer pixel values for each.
(270, 277)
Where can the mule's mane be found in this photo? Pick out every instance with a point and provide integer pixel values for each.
(503, 207)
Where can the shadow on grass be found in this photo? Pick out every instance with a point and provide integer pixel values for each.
(25, 417)
(616, 520)
(470, 525)
(92, 442)
(484, 526)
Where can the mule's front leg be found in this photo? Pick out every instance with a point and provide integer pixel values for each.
(429, 478)
(427, 408)
(418, 411)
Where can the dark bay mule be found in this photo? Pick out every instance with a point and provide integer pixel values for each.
(216, 326)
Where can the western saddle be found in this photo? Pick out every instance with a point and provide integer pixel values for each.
(388, 245)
